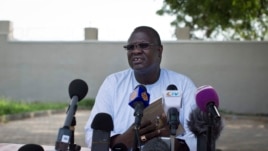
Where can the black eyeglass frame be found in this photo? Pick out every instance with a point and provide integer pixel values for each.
(141, 46)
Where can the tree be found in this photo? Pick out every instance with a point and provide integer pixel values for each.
(230, 19)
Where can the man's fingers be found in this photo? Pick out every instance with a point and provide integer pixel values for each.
(145, 123)
(151, 135)
(149, 128)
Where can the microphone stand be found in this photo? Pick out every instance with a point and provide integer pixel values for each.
(72, 145)
(211, 123)
(173, 125)
(209, 138)
(138, 116)
(68, 129)
(213, 115)
(202, 144)
(172, 142)
(137, 143)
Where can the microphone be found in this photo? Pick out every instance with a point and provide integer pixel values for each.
(198, 125)
(171, 98)
(120, 147)
(198, 122)
(209, 122)
(207, 100)
(102, 126)
(77, 91)
(139, 99)
(172, 104)
(31, 147)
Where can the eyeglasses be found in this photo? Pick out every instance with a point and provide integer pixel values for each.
(140, 46)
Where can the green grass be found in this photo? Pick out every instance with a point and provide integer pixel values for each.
(14, 107)
(86, 103)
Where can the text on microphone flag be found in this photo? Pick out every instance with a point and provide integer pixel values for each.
(172, 94)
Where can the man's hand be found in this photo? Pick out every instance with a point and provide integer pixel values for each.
(126, 138)
(150, 129)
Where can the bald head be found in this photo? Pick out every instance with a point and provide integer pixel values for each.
(150, 32)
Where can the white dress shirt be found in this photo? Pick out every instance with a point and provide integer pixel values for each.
(113, 98)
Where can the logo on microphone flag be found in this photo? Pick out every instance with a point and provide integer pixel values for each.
(172, 94)
(144, 96)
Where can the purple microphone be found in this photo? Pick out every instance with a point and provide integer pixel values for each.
(207, 100)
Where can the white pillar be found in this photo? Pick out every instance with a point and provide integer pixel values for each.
(91, 33)
(182, 33)
(6, 28)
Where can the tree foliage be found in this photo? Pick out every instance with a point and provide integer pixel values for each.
(230, 19)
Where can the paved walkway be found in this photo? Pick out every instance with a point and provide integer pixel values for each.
(42, 129)
(240, 133)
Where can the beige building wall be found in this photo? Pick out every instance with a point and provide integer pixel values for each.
(42, 71)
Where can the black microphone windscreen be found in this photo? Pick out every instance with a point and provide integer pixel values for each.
(156, 144)
(102, 121)
(78, 88)
(31, 147)
(119, 147)
(172, 87)
(198, 122)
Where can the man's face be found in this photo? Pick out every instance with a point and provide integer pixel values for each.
(143, 53)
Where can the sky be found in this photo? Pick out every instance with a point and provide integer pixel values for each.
(65, 20)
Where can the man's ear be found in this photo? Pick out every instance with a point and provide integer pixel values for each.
(160, 51)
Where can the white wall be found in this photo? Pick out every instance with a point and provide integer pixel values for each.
(237, 70)
(42, 71)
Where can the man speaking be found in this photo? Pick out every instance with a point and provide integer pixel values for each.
(144, 53)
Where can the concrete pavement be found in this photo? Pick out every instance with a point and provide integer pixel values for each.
(240, 133)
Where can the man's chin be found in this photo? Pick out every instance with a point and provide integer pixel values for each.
(138, 67)
(139, 70)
